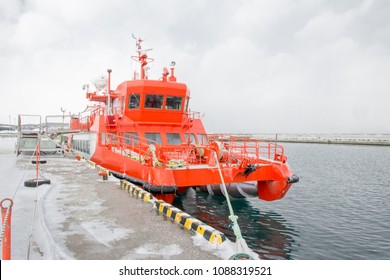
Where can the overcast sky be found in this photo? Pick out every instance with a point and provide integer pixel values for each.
(266, 66)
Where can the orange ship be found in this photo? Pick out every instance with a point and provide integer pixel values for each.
(144, 132)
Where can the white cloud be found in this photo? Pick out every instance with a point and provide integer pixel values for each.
(252, 66)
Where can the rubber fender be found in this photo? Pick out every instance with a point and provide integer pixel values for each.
(293, 179)
(159, 189)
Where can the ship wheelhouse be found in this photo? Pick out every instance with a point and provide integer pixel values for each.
(153, 101)
(157, 112)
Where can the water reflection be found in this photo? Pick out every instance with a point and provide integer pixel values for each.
(267, 233)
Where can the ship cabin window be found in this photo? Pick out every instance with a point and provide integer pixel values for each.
(131, 138)
(190, 138)
(134, 101)
(173, 139)
(81, 146)
(154, 101)
(174, 103)
(153, 138)
(202, 139)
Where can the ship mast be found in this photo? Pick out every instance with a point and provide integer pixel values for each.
(141, 58)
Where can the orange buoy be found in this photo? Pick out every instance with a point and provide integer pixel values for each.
(77, 157)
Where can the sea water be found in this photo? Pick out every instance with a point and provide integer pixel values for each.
(340, 209)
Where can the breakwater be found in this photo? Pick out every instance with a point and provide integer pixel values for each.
(350, 139)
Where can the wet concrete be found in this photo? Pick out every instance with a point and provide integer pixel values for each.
(84, 217)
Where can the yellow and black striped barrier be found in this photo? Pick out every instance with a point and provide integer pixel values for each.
(210, 234)
(136, 191)
(91, 163)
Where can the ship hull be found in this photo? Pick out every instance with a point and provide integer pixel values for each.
(269, 181)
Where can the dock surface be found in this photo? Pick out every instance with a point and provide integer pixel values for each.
(81, 216)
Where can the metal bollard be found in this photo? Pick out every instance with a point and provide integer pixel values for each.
(6, 213)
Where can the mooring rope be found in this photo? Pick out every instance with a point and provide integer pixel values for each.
(38, 155)
(24, 174)
(35, 201)
(242, 247)
(33, 222)
(4, 224)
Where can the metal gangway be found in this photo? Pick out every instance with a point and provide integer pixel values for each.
(49, 133)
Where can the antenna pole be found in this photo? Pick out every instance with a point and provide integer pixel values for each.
(109, 92)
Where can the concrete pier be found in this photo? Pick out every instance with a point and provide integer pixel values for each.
(96, 219)
(81, 216)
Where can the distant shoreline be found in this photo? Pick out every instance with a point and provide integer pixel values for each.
(355, 139)
(346, 139)
(8, 134)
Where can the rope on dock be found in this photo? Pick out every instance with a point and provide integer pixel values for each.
(242, 247)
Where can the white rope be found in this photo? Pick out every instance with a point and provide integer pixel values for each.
(35, 204)
(24, 174)
(240, 241)
(33, 222)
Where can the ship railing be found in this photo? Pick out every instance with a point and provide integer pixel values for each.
(84, 123)
(258, 150)
(141, 149)
(85, 119)
(130, 145)
(193, 115)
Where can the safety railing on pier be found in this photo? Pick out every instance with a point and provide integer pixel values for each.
(31, 131)
(57, 123)
(30, 123)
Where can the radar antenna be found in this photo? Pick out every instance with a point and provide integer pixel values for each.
(142, 57)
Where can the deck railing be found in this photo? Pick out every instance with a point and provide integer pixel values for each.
(248, 147)
(137, 148)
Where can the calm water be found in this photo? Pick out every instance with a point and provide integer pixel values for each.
(340, 209)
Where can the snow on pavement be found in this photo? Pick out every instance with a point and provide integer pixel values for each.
(80, 216)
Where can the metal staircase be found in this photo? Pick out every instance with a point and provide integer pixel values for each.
(49, 134)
